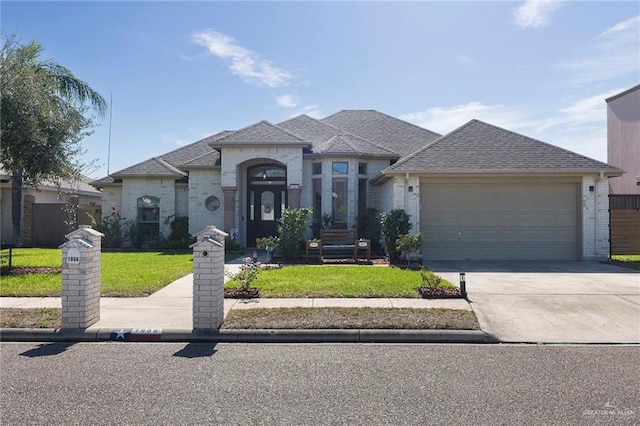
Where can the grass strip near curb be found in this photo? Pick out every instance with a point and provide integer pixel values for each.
(351, 318)
(30, 318)
(123, 274)
(631, 261)
(291, 318)
(338, 281)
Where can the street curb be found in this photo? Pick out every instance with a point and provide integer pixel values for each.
(254, 336)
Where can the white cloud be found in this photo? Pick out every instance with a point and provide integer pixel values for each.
(312, 111)
(445, 119)
(612, 53)
(243, 62)
(535, 13)
(579, 125)
(287, 101)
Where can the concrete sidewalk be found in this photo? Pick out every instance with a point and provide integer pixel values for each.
(171, 307)
(169, 313)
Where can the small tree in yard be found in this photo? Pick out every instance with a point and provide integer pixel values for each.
(293, 223)
(43, 120)
(394, 223)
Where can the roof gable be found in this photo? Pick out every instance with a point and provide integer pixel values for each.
(262, 132)
(383, 130)
(478, 146)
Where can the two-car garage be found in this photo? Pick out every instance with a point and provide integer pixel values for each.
(500, 219)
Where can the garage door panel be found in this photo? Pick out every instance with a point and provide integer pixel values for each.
(500, 221)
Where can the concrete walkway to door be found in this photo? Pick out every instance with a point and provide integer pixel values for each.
(551, 302)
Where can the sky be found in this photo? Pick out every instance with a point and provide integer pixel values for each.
(176, 72)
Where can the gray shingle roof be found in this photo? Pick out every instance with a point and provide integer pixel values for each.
(327, 139)
(168, 164)
(155, 166)
(308, 128)
(263, 133)
(478, 146)
(383, 130)
(206, 160)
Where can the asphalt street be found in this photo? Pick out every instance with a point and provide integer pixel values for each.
(177, 383)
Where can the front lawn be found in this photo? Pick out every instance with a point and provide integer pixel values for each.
(124, 274)
(338, 281)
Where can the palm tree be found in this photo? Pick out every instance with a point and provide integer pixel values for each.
(43, 108)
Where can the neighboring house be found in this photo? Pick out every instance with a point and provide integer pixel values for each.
(50, 211)
(478, 193)
(623, 151)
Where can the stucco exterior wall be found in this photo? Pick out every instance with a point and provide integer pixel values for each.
(623, 141)
(202, 184)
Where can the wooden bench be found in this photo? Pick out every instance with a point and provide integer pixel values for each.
(338, 241)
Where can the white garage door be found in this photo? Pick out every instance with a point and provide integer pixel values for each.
(499, 221)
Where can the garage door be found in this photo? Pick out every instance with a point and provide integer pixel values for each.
(499, 221)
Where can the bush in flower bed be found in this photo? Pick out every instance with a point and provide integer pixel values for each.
(434, 287)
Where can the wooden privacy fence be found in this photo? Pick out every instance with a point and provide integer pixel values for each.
(624, 216)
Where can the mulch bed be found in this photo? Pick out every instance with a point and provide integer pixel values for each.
(440, 293)
(13, 270)
(241, 293)
(329, 261)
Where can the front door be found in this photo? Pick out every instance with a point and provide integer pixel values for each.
(266, 199)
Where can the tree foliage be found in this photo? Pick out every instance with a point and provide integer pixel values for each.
(43, 120)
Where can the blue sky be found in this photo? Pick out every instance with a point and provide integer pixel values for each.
(180, 71)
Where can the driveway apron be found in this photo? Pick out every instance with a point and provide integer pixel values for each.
(551, 302)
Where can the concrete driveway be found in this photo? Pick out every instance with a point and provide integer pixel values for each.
(551, 302)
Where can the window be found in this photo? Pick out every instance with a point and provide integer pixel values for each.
(362, 168)
(316, 168)
(362, 196)
(148, 216)
(212, 204)
(339, 202)
(317, 200)
(340, 168)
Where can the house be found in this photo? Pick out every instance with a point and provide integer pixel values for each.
(50, 211)
(479, 192)
(623, 151)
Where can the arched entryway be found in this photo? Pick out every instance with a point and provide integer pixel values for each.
(266, 199)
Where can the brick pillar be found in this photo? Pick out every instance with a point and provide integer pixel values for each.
(81, 278)
(229, 207)
(208, 279)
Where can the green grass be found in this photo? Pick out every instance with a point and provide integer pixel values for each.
(124, 274)
(627, 260)
(337, 281)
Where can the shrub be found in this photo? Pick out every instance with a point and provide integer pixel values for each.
(394, 224)
(248, 273)
(368, 227)
(431, 280)
(113, 227)
(293, 223)
(180, 229)
(232, 246)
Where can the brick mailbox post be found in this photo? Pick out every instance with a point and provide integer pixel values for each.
(81, 278)
(208, 279)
